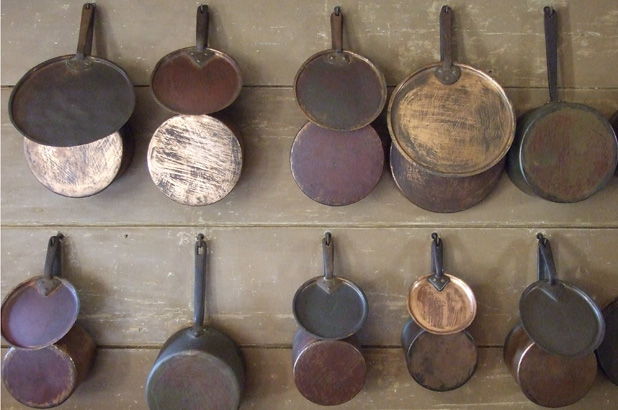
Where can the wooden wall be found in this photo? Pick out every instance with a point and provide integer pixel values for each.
(128, 250)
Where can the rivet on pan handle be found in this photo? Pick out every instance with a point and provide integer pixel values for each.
(202, 54)
(84, 42)
(336, 28)
(546, 265)
(329, 283)
(439, 280)
(551, 51)
(447, 73)
(199, 291)
(48, 282)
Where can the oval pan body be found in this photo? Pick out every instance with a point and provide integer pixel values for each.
(195, 160)
(189, 81)
(607, 353)
(460, 129)
(567, 152)
(79, 171)
(439, 362)
(53, 104)
(340, 91)
(328, 372)
(205, 372)
(336, 168)
(438, 193)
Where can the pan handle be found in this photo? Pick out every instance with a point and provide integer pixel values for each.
(84, 41)
(201, 30)
(329, 283)
(336, 29)
(546, 264)
(551, 51)
(199, 292)
(49, 282)
(439, 280)
(447, 73)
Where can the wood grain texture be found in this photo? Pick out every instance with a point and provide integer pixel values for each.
(194, 159)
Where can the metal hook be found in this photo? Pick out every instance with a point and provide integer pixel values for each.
(327, 238)
(337, 10)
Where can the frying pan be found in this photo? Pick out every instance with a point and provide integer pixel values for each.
(438, 302)
(74, 99)
(47, 377)
(196, 80)
(563, 152)
(83, 170)
(559, 317)
(451, 119)
(40, 310)
(614, 122)
(607, 353)
(547, 379)
(199, 367)
(339, 89)
(195, 159)
(329, 307)
(328, 372)
(336, 167)
(439, 362)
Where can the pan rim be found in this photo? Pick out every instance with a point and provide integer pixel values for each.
(507, 106)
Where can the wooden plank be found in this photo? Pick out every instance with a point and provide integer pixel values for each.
(136, 284)
(119, 375)
(270, 40)
(266, 193)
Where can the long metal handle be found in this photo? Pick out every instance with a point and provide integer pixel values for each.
(546, 264)
(86, 31)
(329, 283)
(200, 282)
(201, 30)
(439, 280)
(336, 28)
(48, 282)
(551, 51)
(447, 73)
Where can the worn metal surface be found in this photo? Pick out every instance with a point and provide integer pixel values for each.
(47, 377)
(456, 129)
(439, 362)
(607, 353)
(336, 168)
(339, 89)
(75, 99)
(558, 316)
(195, 159)
(328, 372)
(547, 379)
(196, 80)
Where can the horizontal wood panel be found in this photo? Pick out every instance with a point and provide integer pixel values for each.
(271, 39)
(136, 284)
(266, 193)
(122, 374)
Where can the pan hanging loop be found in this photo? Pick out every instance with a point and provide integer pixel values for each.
(447, 73)
(439, 280)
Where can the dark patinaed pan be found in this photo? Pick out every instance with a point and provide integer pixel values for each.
(328, 372)
(438, 302)
(198, 367)
(46, 377)
(607, 353)
(41, 310)
(451, 119)
(563, 152)
(614, 122)
(336, 167)
(559, 317)
(439, 362)
(549, 380)
(339, 89)
(196, 80)
(74, 99)
(330, 307)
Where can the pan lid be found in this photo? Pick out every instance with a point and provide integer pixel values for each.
(75, 99)
(559, 317)
(330, 307)
(338, 89)
(41, 310)
(196, 80)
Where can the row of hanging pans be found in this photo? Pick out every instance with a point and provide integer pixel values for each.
(452, 127)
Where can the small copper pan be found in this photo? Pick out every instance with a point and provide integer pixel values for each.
(438, 302)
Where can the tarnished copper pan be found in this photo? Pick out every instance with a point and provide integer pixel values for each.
(547, 379)
(328, 372)
(196, 80)
(339, 89)
(563, 152)
(336, 168)
(451, 119)
(440, 303)
(607, 352)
